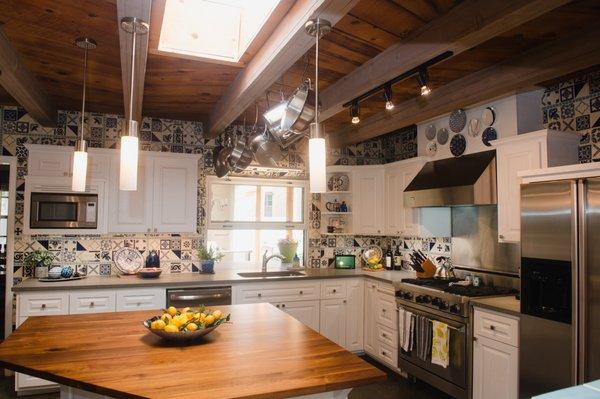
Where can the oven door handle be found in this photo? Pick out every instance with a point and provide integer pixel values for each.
(461, 329)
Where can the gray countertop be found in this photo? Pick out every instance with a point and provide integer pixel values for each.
(504, 304)
(197, 280)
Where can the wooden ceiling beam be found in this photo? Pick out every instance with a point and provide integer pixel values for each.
(23, 86)
(575, 52)
(139, 9)
(285, 46)
(465, 26)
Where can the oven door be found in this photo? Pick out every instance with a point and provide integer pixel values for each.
(63, 211)
(456, 372)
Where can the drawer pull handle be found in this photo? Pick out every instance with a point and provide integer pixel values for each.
(301, 292)
(43, 306)
(334, 291)
(259, 294)
(492, 327)
(91, 304)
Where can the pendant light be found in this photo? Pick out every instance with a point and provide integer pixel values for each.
(355, 113)
(317, 154)
(80, 156)
(423, 80)
(387, 96)
(130, 142)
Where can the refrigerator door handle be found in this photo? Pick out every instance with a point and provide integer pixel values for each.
(580, 268)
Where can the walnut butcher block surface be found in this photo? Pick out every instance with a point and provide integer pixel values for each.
(263, 353)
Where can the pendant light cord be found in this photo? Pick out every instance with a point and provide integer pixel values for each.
(317, 74)
(85, 57)
(131, 86)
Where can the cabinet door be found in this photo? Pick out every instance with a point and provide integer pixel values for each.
(495, 370)
(333, 320)
(305, 311)
(141, 299)
(512, 159)
(175, 195)
(354, 315)
(91, 301)
(400, 220)
(368, 201)
(370, 322)
(130, 211)
(50, 163)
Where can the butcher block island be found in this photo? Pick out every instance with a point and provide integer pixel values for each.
(262, 353)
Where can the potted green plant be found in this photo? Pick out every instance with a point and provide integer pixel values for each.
(40, 261)
(208, 256)
(287, 249)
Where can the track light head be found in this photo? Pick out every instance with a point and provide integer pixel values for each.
(355, 112)
(423, 80)
(387, 96)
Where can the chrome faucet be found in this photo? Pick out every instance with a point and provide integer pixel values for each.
(266, 259)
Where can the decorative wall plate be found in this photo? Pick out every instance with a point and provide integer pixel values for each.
(442, 136)
(430, 132)
(474, 127)
(128, 260)
(488, 135)
(458, 120)
(488, 116)
(458, 145)
(338, 183)
(431, 148)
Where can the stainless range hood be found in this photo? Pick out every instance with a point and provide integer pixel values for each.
(467, 180)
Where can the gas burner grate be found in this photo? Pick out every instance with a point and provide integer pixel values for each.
(438, 283)
(479, 291)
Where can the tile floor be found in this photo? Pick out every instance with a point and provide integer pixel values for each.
(395, 387)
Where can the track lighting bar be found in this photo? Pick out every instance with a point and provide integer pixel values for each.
(403, 76)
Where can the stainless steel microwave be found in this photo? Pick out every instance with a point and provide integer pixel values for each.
(63, 211)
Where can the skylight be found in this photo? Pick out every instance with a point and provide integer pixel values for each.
(218, 30)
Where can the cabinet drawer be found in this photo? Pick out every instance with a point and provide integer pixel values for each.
(96, 301)
(387, 336)
(387, 354)
(334, 289)
(496, 326)
(44, 304)
(385, 311)
(140, 299)
(276, 292)
(385, 288)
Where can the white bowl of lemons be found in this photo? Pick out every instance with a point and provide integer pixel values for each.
(185, 324)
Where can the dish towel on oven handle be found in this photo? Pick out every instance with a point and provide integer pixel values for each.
(406, 329)
(423, 328)
(440, 343)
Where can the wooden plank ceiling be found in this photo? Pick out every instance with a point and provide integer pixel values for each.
(43, 31)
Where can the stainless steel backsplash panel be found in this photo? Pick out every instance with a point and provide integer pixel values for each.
(475, 241)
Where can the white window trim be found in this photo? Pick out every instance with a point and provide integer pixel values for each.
(220, 225)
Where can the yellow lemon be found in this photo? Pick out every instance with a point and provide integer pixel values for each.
(158, 325)
(172, 310)
(208, 320)
(185, 310)
(191, 327)
(179, 320)
(202, 316)
(166, 317)
(171, 328)
(189, 315)
(196, 316)
(217, 314)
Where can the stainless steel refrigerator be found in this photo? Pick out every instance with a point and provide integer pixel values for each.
(560, 285)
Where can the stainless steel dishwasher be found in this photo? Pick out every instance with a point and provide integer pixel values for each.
(208, 296)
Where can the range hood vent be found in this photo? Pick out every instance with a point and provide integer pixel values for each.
(467, 180)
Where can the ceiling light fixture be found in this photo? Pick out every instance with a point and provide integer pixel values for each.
(355, 112)
(387, 96)
(317, 154)
(423, 80)
(80, 156)
(130, 142)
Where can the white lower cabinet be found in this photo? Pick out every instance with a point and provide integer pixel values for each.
(305, 311)
(141, 299)
(495, 362)
(369, 318)
(333, 323)
(92, 301)
(353, 314)
(381, 323)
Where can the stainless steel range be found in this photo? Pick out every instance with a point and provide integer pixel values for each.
(440, 300)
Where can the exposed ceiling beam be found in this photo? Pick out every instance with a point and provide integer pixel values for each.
(23, 86)
(139, 9)
(465, 26)
(575, 52)
(284, 47)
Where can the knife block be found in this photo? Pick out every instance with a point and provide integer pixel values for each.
(428, 269)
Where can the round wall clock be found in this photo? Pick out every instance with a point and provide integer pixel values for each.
(458, 145)
(128, 260)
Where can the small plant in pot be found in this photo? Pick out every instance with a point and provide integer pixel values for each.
(208, 256)
(40, 261)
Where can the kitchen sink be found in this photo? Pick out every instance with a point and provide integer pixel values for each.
(272, 274)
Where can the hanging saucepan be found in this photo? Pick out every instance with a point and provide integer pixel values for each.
(274, 114)
(266, 151)
(221, 163)
(241, 155)
(300, 110)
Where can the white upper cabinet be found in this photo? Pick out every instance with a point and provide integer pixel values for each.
(368, 196)
(175, 199)
(400, 220)
(131, 211)
(536, 150)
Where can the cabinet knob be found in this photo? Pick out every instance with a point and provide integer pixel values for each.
(501, 236)
(301, 292)
(277, 305)
(384, 335)
(259, 294)
(379, 231)
(344, 301)
(91, 304)
(334, 291)
(138, 304)
(383, 310)
(474, 339)
(283, 305)
(43, 306)
(492, 327)
(383, 353)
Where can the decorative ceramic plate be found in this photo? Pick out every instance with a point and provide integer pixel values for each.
(442, 136)
(474, 127)
(488, 135)
(128, 260)
(458, 145)
(430, 132)
(338, 183)
(431, 148)
(373, 251)
(458, 120)
(488, 116)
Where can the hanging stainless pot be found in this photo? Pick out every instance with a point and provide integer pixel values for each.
(266, 152)
(300, 110)
(241, 155)
(221, 163)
